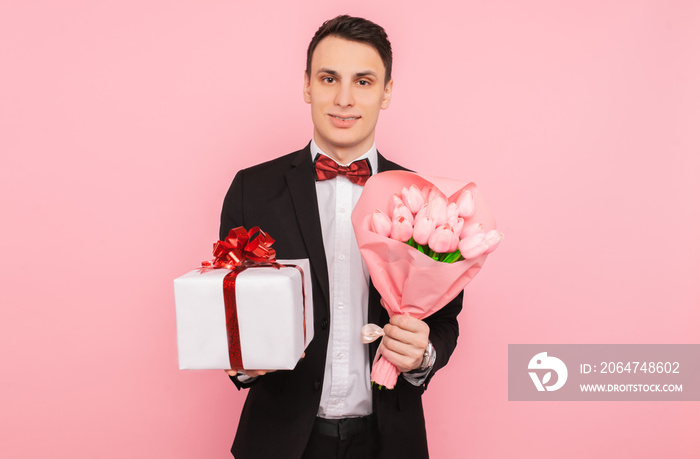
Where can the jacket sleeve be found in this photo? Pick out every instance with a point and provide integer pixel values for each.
(444, 331)
(232, 210)
(242, 384)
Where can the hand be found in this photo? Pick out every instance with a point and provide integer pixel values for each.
(405, 341)
(254, 373)
(249, 373)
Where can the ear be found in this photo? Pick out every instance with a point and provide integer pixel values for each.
(386, 97)
(307, 88)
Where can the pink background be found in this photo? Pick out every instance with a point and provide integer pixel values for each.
(123, 122)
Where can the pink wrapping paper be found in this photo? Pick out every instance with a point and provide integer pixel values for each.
(409, 281)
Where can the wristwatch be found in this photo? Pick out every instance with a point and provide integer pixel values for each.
(427, 357)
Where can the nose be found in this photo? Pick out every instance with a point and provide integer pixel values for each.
(344, 97)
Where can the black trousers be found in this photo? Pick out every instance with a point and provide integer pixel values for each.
(334, 440)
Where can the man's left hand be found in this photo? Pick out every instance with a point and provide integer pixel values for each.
(405, 341)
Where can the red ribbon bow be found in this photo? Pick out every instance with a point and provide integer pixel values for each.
(240, 247)
(357, 172)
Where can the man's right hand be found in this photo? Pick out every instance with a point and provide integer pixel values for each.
(253, 373)
(249, 373)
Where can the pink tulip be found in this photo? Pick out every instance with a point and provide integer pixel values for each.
(422, 229)
(452, 210)
(437, 209)
(440, 239)
(465, 203)
(423, 212)
(402, 211)
(457, 224)
(412, 198)
(396, 200)
(380, 224)
(473, 246)
(434, 192)
(471, 229)
(493, 238)
(454, 242)
(401, 229)
(425, 192)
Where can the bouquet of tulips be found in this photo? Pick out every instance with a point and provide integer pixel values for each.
(423, 240)
(426, 221)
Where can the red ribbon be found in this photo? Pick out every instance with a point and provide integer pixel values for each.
(241, 248)
(235, 356)
(238, 252)
(233, 336)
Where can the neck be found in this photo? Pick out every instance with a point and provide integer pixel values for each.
(345, 155)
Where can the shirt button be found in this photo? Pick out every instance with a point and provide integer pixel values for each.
(341, 305)
(341, 257)
(324, 323)
(335, 401)
(340, 355)
(342, 210)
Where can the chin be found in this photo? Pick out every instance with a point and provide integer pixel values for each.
(341, 143)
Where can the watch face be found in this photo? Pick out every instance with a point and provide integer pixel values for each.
(426, 357)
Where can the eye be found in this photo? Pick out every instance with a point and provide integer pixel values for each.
(364, 83)
(328, 79)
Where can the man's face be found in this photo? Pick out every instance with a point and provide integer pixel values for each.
(346, 90)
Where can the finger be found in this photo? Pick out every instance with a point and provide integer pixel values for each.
(408, 323)
(249, 373)
(256, 373)
(409, 351)
(403, 363)
(417, 339)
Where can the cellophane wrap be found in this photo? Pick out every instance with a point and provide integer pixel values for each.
(409, 281)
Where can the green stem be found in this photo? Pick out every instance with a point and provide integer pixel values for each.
(452, 257)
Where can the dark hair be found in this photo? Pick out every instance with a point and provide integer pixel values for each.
(354, 29)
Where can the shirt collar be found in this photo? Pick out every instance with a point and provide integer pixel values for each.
(370, 155)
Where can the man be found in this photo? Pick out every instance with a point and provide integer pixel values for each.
(325, 407)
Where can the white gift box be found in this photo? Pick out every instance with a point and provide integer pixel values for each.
(275, 317)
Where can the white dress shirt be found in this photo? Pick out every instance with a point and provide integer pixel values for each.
(346, 383)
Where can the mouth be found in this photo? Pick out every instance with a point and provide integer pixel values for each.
(348, 118)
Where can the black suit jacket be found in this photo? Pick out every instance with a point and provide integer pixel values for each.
(279, 196)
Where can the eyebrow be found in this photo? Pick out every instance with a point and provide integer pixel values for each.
(364, 73)
(328, 71)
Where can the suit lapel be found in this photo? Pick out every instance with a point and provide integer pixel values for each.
(302, 188)
(384, 164)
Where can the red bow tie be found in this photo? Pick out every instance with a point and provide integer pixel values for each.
(357, 172)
